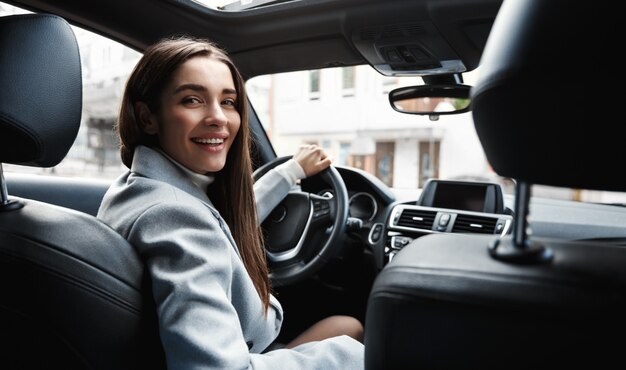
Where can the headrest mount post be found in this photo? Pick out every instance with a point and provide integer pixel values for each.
(520, 249)
(6, 204)
(4, 194)
(520, 222)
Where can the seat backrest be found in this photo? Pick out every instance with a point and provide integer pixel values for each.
(450, 301)
(74, 293)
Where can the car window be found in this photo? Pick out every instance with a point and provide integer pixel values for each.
(106, 65)
(346, 111)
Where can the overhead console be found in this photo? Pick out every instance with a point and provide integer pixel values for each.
(407, 49)
(448, 207)
(422, 37)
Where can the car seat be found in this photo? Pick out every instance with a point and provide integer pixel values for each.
(542, 110)
(73, 293)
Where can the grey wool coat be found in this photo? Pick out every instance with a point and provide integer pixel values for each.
(210, 314)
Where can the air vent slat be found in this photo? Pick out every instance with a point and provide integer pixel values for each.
(416, 218)
(474, 224)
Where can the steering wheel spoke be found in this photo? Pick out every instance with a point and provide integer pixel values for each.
(324, 210)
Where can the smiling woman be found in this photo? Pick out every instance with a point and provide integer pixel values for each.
(188, 206)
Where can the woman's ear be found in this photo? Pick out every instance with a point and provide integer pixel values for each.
(146, 119)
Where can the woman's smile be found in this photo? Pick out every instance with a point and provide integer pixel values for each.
(210, 144)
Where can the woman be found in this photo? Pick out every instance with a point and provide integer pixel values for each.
(187, 204)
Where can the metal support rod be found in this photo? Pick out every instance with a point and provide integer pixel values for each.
(522, 199)
(4, 195)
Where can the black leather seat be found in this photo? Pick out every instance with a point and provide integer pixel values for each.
(541, 109)
(73, 293)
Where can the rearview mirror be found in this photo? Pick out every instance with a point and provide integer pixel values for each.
(431, 100)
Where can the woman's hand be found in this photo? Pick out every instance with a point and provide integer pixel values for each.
(312, 159)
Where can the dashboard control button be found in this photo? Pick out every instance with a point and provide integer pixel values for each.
(376, 233)
(399, 242)
(444, 219)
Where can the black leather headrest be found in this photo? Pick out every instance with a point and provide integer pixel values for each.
(547, 106)
(40, 89)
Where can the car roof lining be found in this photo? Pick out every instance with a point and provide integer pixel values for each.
(320, 32)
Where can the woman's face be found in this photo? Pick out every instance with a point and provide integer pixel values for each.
(198, 120)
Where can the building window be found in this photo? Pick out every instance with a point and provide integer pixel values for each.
(428, 161)
(384, 162)
(358, 161)
(314, 84)
(344, 154)
(347, 81)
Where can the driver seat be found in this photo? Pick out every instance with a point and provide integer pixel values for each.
(74, 293)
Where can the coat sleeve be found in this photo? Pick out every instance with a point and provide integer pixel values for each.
(274, 186)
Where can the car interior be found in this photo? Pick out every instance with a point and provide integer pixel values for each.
(459, 275)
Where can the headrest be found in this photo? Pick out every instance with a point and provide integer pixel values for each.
(40, 89)
(547, 106)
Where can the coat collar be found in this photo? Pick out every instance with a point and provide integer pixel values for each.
(148, 162)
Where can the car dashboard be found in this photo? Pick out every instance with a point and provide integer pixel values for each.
(385, 225)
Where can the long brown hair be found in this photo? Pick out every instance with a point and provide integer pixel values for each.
(232, 191)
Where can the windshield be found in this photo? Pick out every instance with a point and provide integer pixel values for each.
(347, 112)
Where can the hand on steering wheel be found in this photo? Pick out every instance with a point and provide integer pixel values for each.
(295, 232)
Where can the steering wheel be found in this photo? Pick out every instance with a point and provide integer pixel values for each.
(305, 230)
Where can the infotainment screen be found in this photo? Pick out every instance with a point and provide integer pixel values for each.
(463, 195)
(460, 196)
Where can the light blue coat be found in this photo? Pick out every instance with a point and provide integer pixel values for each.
(210, 314)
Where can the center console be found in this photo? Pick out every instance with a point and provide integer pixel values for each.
(448, 207)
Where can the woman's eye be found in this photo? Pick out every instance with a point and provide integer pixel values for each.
(229, 102)
(191, 100)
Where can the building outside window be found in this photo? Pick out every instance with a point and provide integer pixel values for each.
(314, 84)
(348, 81)
(384, 161)
(344, 154)
(428, 161)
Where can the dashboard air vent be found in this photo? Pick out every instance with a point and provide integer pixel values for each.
(417, 218)
(474, 224)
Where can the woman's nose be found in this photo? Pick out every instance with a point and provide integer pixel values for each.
(215, 115)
